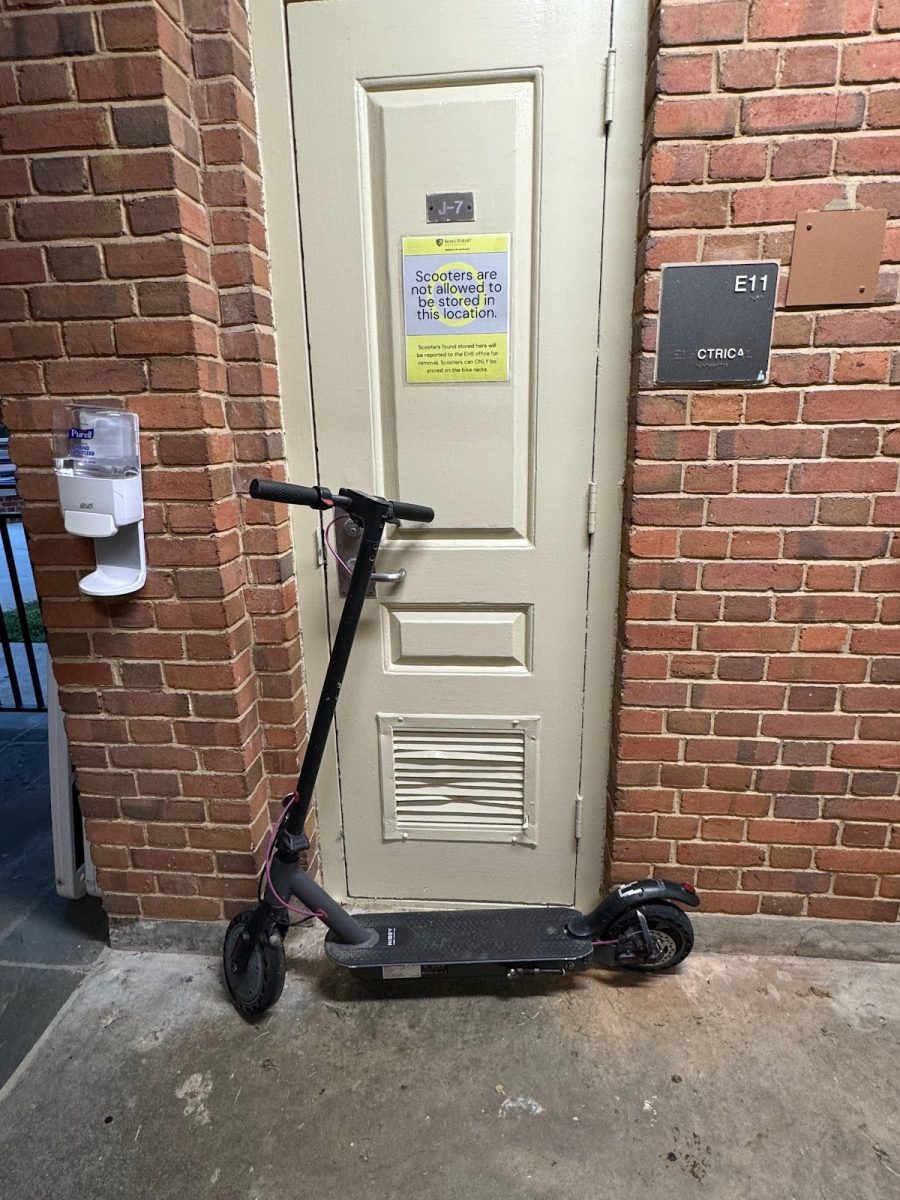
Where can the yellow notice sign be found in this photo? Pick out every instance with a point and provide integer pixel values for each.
(456, 308)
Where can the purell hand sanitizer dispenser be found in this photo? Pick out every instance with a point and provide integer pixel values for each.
(98, 467)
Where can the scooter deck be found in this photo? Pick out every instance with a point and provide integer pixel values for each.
(472, 942)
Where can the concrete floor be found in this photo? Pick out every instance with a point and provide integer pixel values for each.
(736, 1076)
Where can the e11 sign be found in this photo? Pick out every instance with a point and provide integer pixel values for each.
(715, 322)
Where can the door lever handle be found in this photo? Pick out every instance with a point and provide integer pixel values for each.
(382, 576)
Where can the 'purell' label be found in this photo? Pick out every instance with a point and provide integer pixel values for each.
(81, 435)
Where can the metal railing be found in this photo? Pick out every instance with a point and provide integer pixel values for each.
(15, 629)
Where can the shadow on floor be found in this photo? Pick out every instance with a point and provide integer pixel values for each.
(47, 942)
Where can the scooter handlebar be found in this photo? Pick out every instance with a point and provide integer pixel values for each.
(286, 493)
(323, 498)
(412, 512)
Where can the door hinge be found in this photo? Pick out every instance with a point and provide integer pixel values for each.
(609, 94)
(320, 549)
(579, 805)
(592, 508)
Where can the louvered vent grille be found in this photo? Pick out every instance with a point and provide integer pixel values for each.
(465, 780)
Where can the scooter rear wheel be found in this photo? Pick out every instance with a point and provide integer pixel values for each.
(257, 987)
(672, 930)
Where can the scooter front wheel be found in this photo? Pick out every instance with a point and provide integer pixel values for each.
(671, 929)
(255, 987)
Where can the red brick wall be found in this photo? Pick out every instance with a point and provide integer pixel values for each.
(133, 268)
(759, 731)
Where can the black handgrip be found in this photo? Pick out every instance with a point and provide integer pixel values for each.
(412, 512)
(285, 493)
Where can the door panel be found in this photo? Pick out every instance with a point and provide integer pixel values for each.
(459, 726)
(450, 132)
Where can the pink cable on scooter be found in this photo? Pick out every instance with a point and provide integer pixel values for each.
(270, 854)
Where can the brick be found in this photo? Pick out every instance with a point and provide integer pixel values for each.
(129, 260)
(681, 511)
(142, 125)
(40, 83)
(46, 220)
(753, 577)
(746, 70)
(675, 75)
(862, 366)
(844, 477)
(162, 214)
(145, 27)
(46, 35)
(780, 511)
(884, 109)
(703, 544)
(74, 262)
(89, 338)
(30, 340)
(738, 161)
(803, 113)
(876, 862)
(54, 129)
(769, 443)
(804, 882)
(814, 65)
(708, 478)
(218, 56)
(834, 543)
(667, 445)
(60, 175)
(880, 195)
(868, 156)
(712, 21)
(83, 378)
(14, 179)
(853, 442)
(81, 300)
(799, 370)
(719, 854)
(21, 264)
(13, 304)
(843, 510)
(851, 406)
(780, 203)
(133, 172)
(776, 19)
(164, 336)
(21, 379)
(131, 77)
(869, 756)
(741, 696)
(716, 117)
(888, 15)
(871, 62)
(809, 157)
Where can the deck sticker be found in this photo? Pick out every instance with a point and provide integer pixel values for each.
(402, 971)
(456, 308)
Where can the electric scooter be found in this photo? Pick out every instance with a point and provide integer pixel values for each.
(638, 926)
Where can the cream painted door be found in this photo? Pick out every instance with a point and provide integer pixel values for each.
(460, 723)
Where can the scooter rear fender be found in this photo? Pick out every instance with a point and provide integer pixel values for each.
(630, 895)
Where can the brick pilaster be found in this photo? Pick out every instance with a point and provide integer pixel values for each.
(134, 271)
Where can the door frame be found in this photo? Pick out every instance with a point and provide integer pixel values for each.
(271, 67)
